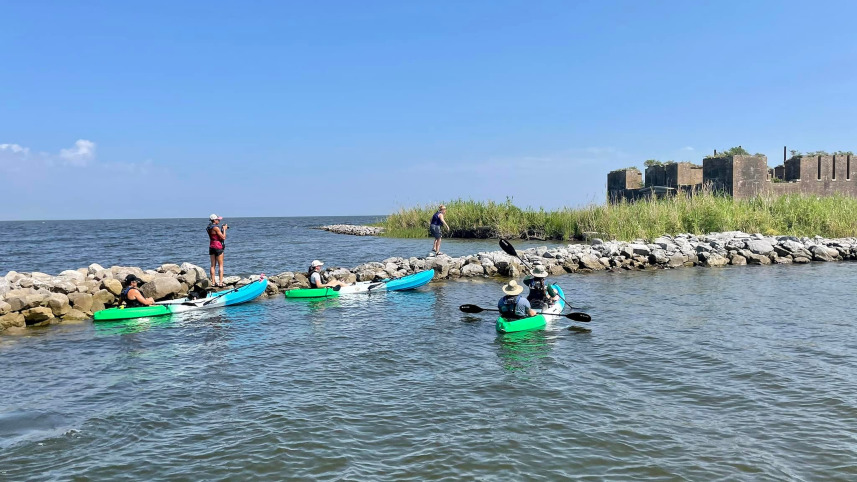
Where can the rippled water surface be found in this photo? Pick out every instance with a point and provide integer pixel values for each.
(701, 374)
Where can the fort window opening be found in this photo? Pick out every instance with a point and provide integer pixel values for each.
(834, 167)
(848, 168)
(819, 168)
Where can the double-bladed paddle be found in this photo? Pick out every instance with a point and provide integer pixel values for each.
(509, 249)
(210, 300)
(473, 309)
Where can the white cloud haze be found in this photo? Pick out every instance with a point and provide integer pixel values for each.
(80, 155)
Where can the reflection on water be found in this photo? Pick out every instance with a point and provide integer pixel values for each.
(524, 349)
(134, 325)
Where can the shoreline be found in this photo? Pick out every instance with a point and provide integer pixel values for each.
(72, 296)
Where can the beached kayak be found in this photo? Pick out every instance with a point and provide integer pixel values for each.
(400, 284)
(213, 300)
(538, 322)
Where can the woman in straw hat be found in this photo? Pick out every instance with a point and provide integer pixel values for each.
(513, 303)
(541, 294)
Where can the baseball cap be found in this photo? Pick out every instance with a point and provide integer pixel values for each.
(316, 262)
(214, 216)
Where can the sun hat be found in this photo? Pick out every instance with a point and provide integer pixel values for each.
(512, 288)
(539, 271)
(315, 263)
(214, 216)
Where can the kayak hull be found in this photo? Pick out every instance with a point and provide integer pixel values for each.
(213, 300)
(112, 314)
(312, 293)
(538, 322)
(411, 281)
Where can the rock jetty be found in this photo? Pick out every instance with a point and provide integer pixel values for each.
(35, 299)
(353, 229)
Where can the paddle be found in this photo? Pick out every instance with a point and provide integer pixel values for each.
(509, 249)
(473, 309)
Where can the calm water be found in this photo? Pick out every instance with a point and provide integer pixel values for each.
(254, 245)
(701, 374)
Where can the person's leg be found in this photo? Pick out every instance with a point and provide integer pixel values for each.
(213, 262)
(220, 262)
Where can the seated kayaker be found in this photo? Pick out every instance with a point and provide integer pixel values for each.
(513, 304)
(131, 295)
(314, 275)
(541, 294)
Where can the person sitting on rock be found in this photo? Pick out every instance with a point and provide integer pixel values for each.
(131, 295)
(513, 304)
(314, 275)
(541, 294)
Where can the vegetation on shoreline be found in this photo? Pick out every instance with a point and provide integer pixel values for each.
(703, 213)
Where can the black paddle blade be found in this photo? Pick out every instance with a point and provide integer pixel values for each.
(471, 309)
(508, 248)
(336, 288)
(578, 316)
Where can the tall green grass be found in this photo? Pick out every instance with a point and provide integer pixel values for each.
(702, 213)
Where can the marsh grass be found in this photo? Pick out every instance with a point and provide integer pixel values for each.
(833, 216)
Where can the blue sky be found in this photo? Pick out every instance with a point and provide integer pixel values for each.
(174, 109)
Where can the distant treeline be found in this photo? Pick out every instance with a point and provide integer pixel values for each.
(703, 213)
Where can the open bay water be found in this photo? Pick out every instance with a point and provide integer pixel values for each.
(745, 373)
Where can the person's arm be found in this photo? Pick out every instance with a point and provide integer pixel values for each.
(220, 233)
(135, 294)
(443, 220)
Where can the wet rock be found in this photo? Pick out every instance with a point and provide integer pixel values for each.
(37, 315)
(472, 269)
(58, 303)
(164, 286)
(712, 259)
(81, 301)
(591, 261)
(820, 253)
(12, 320)
(74, 315)
(738, 260)
(112, 285)
(169, 268)
(5, 307)
(102, 297)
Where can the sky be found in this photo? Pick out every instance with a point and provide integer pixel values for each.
(150, 109)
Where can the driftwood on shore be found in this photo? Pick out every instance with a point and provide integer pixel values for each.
(34, 299)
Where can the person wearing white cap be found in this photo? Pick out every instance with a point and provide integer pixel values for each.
(314, 275)
(216, 245)
(541, 294)
(513, 303)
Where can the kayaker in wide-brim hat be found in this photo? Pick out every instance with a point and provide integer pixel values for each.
(541, 293)
(513, 304)
(131, 295)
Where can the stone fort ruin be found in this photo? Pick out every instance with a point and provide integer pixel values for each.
(739, 176)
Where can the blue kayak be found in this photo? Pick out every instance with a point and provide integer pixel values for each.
(411, 281)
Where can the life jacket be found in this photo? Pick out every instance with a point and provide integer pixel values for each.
(129, 303)
(510, 304)
(435, 220)
(214, 240)
(538, 291)
(309, 277)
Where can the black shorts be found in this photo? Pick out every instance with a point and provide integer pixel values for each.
(434, 229)
(214, 251)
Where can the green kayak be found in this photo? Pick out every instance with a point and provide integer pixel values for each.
(122, 313)
(312, 293)
(537, 322)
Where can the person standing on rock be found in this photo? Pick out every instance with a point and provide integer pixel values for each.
(216, 245)
(512, 304)
(435, 228)
(131, 295)
(314, 275)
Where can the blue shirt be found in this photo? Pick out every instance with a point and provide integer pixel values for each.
(517, 304)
